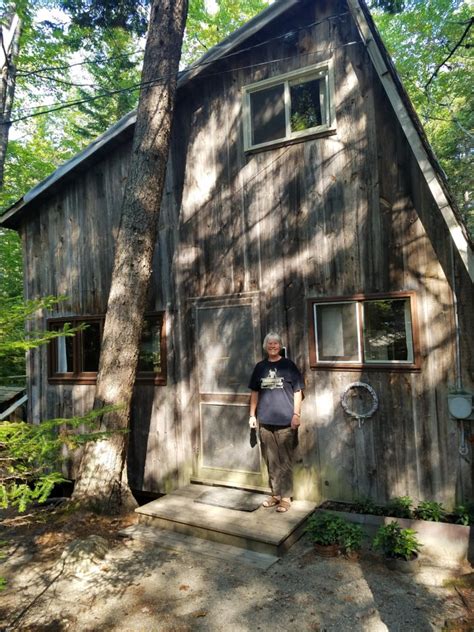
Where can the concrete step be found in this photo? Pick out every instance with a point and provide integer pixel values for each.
(263, 530)
(172, 541)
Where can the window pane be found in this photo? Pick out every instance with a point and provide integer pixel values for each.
(64, 352)
(387, 331)
(307, 105)
(150, 349)
(267, 114)
(91, 347)
(337, 332)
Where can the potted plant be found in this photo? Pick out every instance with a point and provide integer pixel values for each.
(326, 531)
(399, 546)
(351, 540)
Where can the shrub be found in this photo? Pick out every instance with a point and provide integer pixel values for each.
(464, 514)
(430, 510)
(395, 542)
(365, 505)
(325, 528)
(400, 507)
(351, 537)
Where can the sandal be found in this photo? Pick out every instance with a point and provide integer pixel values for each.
(283, 506)
(273, 501)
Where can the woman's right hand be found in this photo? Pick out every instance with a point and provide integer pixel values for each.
(252, 421)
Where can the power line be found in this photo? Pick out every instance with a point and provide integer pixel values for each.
(36, 71)
(238, 52)
(62, 106)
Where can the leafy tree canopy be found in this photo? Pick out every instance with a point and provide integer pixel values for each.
(420, 39)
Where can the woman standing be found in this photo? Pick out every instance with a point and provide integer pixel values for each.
(277, 393)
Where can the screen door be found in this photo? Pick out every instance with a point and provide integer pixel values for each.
(227, 348)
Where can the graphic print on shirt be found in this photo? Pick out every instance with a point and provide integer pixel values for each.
(271, 381)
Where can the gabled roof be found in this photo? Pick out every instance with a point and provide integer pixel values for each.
(388, 76)
(11, 218)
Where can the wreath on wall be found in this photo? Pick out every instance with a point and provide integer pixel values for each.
(361, 416)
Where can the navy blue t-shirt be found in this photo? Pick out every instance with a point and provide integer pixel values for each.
(276, 383)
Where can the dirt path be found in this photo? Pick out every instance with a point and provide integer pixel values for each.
(122, 585)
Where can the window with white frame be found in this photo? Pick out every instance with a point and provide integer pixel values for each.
(364, 331)
(289, 106)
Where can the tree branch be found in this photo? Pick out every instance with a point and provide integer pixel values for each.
(451, 53)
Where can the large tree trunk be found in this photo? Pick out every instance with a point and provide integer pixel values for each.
(102, 479)
(9, 48)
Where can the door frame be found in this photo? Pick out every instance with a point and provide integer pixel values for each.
(206, 474)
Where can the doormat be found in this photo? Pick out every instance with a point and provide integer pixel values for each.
(231, 499)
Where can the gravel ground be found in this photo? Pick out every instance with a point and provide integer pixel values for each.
(61, 578)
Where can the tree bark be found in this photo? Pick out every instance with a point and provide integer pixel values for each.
(9, 48)
(102, 479)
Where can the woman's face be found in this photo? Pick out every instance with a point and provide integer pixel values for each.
(273, 347)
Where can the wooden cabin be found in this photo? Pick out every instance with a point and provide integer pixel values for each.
(301, 196)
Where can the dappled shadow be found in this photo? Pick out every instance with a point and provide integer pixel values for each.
(141, 586)
(331, 216)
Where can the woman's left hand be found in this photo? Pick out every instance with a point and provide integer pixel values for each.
(295, 422)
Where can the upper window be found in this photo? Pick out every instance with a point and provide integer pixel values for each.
(288, 107)
(76, 358)
(371, 331)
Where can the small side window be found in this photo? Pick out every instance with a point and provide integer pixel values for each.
(76, 358)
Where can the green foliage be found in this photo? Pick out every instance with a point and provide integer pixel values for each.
(11, 269)
(30, 452)
(205, 28)
(430, 510)
(464, 514)
(351, 537)
(400, 507)
(325, 528)
(365, 505)
(120, 14)
(395, 542)
(16, 339)
(420, 38)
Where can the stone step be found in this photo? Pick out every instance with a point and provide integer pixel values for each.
(263, 530)
(186, 543)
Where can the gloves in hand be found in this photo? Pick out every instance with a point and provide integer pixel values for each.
(252, 422)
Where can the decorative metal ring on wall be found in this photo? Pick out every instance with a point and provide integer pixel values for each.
(361, 417)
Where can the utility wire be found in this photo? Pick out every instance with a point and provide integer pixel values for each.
(62, 106)
(29, 73)
(238, 52)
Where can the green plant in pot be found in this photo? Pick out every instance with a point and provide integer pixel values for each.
(351, 540)
(325, 531)
(397, 545)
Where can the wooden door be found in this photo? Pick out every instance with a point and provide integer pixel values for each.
(227, 348)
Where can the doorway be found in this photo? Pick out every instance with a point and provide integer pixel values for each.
(227, 348)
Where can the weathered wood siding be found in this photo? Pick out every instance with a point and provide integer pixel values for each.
(335, 215)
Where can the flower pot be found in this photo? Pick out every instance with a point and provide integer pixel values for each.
(352, 556)
(326, 550)
(401, 565)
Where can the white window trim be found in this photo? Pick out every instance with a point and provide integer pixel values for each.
(324, 69)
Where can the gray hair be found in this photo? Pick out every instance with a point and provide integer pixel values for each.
(272, 335)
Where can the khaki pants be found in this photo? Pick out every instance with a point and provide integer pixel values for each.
(278, 445)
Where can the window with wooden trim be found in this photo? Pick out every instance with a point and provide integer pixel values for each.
(372, 331)
(76, 358)
(289, 106)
